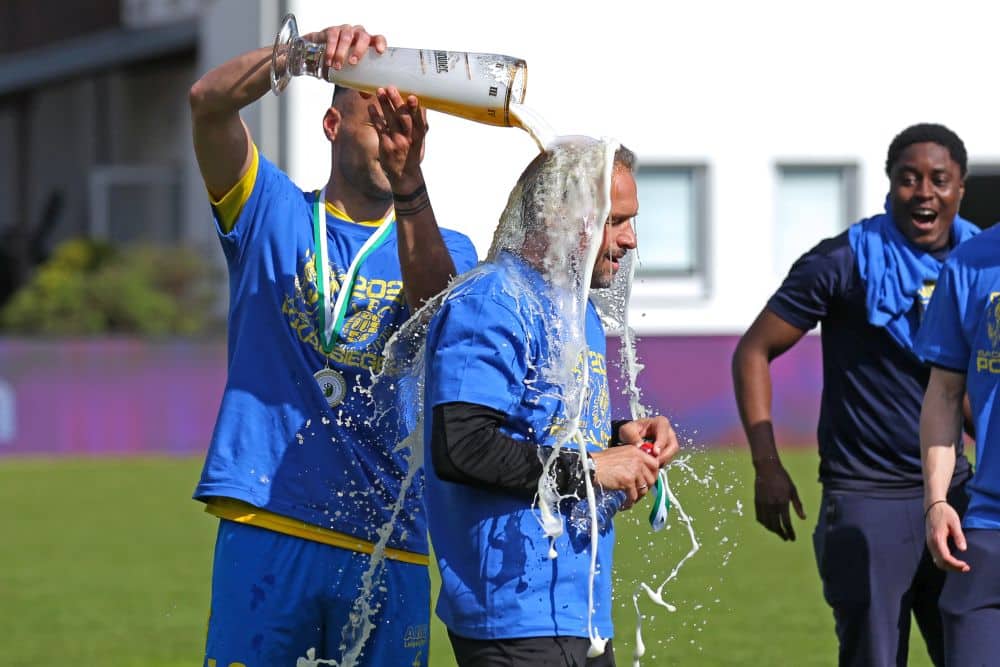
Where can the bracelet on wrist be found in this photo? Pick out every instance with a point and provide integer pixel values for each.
(422, 189)
(928, 510)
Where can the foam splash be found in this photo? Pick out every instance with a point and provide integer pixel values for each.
(614, 304)
(359, 627)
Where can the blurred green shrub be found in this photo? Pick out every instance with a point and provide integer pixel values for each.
(90, 288)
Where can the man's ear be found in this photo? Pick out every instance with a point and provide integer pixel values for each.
(331, 123)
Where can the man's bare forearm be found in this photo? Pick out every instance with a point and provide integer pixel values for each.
(752, 384)
(426, 264)
(940, 428)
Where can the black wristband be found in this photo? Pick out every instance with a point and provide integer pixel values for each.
(413, 195)
(616, 425)
(928, 510)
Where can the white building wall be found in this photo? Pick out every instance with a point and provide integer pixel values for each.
(739, 87)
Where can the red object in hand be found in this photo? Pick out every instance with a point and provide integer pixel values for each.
(647, 446)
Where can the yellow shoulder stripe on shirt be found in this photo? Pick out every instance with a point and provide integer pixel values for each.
(232, 202)
(240, 512)
(338, 213)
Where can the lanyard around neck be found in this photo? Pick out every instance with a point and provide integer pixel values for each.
(331, 317)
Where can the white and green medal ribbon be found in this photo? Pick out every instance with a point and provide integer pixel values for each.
(658, 513)
(331, 318)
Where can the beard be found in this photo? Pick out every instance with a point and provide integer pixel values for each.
(604, 270)
(368, 179)
(602, 277)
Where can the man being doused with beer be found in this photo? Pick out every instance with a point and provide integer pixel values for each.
(516, 380)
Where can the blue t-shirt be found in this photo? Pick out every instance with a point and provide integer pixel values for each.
(961, 332)
(869, 423)
(488, 345)
(278, 444)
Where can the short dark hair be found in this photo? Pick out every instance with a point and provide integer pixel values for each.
(337, 92)
(924, 133)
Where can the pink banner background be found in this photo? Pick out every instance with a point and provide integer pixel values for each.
(121, 397)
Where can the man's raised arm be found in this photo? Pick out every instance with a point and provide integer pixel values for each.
(221, 139)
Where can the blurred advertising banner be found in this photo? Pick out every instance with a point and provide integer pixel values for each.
(688, 379)
(115, 397)
(122, 397)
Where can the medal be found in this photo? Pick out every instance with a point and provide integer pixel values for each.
(332, 384)
(333, 313)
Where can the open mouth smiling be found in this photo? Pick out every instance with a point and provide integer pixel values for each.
(923, 216)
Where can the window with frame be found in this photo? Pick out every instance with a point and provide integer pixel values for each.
(119, 191)
(814, 202)
(671, 225)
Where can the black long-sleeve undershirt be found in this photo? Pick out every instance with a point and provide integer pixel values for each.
(467, 447)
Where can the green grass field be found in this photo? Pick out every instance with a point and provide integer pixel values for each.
(107, 562)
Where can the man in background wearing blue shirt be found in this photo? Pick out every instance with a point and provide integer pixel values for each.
(868, 287)
(960, 337)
